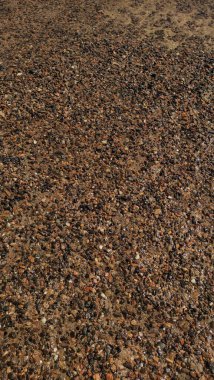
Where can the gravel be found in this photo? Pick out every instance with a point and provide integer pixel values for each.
(106, 190)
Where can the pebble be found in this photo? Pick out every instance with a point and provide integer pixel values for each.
(109, 376)
(96, 377)
(2, 114)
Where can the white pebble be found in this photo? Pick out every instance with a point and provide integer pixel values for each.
(44, 320)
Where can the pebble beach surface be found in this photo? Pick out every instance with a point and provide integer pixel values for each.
(106, 147)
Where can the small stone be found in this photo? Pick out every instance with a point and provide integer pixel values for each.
(170, 359)
(193, 281)
(134, 322)
(101, 229)
(197, 367)
(96, 376)
(157, 212)
(44, 320)
(109, 376)
(2, 114)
